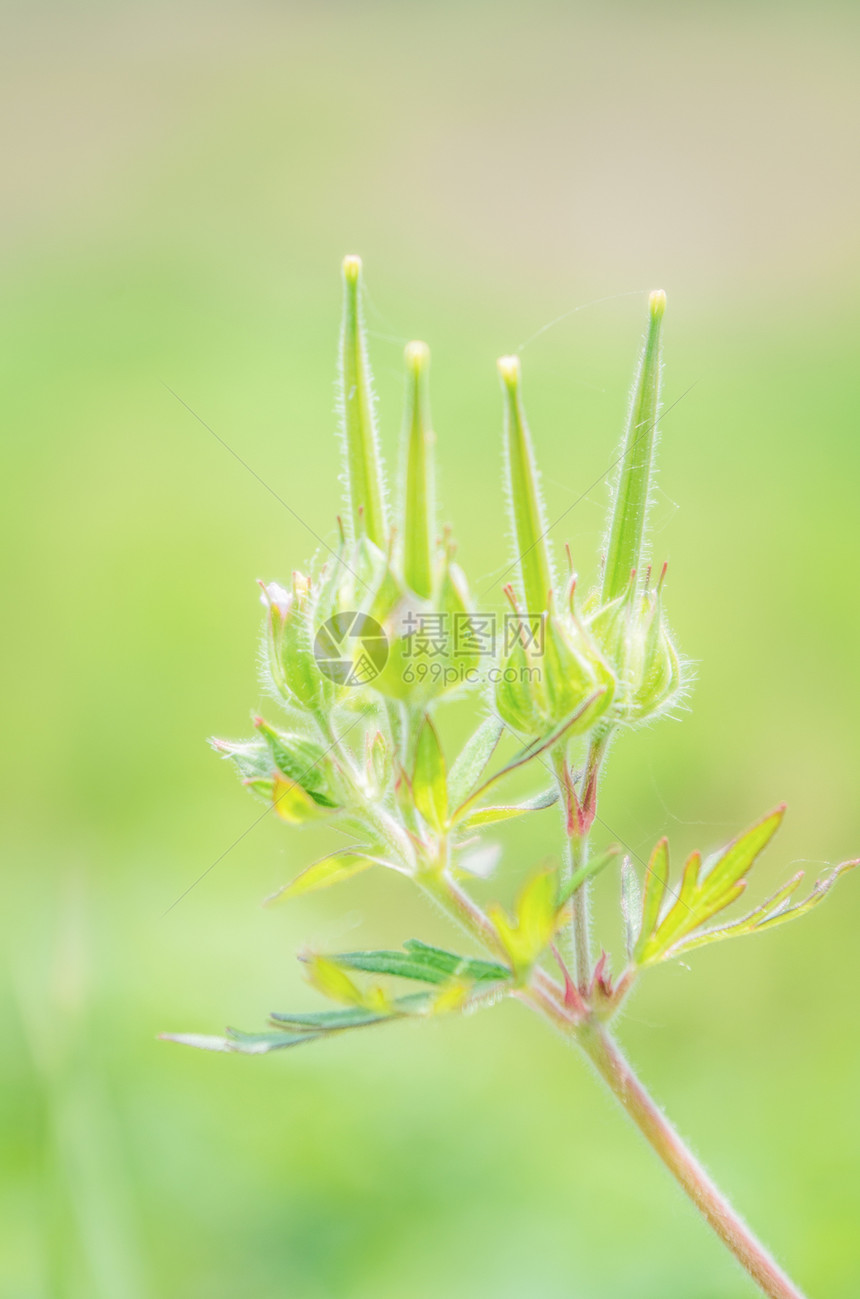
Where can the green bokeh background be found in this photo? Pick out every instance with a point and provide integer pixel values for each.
(179, 185)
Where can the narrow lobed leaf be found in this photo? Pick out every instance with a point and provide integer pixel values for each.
(335, 1021)
(505, 812)
(423, 963)
(774, 911)
(244, 1043)
(535, 921)
(631, 903)
(588, 871)
(736, 860)
(656, 879)
(473, 758)
(334, 868)
(527, 754)
(429, 777)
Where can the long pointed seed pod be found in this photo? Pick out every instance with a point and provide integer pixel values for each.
(525, 502)
(419, 503)
(358, 416)
(630, 504)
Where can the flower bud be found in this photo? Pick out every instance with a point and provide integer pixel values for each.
(288, 643)
(291, 773)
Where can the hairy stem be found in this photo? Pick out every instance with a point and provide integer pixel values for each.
(579, 808)
(543, 995)
(682, 1163)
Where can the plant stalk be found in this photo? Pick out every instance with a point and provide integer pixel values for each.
(615, 1071)
(544, 996)
(579, 923)
(579, 811)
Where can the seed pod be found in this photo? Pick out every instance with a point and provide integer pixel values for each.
(629, 510)
(357, 408)
(417, 525)
(526, 506)
(550, 672)
(635, 639)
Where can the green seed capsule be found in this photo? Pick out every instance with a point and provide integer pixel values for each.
(549, 675)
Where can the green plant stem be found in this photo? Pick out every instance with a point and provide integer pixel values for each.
(615, 1071)
(577, 833)
(579, 922)
(544, 996)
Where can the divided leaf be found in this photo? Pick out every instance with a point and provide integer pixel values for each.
(456, 983)
(529, 933)
(425, 963)
(295, 1030)
(709, 888)
(776, 910)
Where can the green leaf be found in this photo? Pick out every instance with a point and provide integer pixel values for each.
(490, 815)
(427, 964)
(299, 760)
(358, 415)
(534, 923)
(296, 1030)
(776, 910)
(734, 862)
(527, 754)
(527, 514)
(473, 758)
(418, 523)
(631, 903)
(656, 879)
(705, 890)
(244, 1043)
(334, 868)
(587, 871)
(429, 778)
(332, 1021)
(330, 978)
(633, 487)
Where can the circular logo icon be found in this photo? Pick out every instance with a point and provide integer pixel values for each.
(351, 648)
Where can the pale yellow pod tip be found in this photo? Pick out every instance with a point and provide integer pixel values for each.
(417, 356)
(510, 370)
(351, 268)
(657, 304)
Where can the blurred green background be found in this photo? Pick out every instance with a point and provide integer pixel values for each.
(179, 185)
